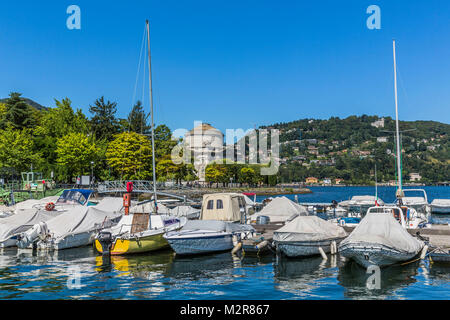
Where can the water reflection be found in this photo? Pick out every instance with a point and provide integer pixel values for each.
(137, 266)
(301, 276)
(392, 280)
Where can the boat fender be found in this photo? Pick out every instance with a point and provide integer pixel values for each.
(424, 252)
(333, 247)
(236, 248)
(262, 244)
(342, 222)
(322, 253)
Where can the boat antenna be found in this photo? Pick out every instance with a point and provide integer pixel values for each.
(399, 193)
(152, 118)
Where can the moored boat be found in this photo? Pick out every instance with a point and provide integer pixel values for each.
(137, 233)
(206, 236)
(441, 206)
(380, 239)
(74, 228)
(307, 236)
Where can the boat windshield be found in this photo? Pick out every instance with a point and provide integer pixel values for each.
(72, 197)
(396, 213)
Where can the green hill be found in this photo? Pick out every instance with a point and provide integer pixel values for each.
(349, 149)
(30, 102)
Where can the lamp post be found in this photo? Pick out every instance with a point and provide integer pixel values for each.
(92, 172)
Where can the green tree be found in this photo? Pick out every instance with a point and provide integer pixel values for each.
(104, 123)
(18, 112)
(247, 175)
(129, 155)
(163, 141)
(138, 119)
(16, 150)
(75, 151)
(3, 121)
(216, 173)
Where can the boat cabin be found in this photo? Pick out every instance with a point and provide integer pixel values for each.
(224, 207)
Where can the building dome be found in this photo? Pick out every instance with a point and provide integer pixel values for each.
(206, 144)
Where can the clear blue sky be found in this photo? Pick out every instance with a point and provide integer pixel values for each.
(235, 64)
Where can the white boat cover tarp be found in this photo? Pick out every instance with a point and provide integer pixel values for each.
(148, 207)
(441, 202)
(281, 209)
(361, 200)
(413, 200)
(216, 225)
(110, 204)
(310, 228)
(22, 221)
(78, 220)
(179, 211)
(185, 211)
(248, 201)
(383, 229)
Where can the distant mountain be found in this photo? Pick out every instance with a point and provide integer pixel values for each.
(349, 148)
(32, 103)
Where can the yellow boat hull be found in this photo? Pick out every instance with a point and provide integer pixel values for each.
(136, 245)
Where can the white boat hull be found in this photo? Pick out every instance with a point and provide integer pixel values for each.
(294, 249)
(200, 244)
(440, 209)
(375, 254)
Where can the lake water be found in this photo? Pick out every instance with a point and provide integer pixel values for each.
(82, 274)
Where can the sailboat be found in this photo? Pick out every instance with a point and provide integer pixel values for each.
(139, 230)
(381, 237)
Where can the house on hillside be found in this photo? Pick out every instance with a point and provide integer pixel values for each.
(311, 180)
(378, 123)
(313, 150)
(414, 176)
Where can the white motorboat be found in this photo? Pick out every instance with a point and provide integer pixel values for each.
(360, 204)
(441, 206)
(74, 228)
(337, 212)
(206, 236)
(32, 212)
(419, 203)
(307, 236)
(381, 239)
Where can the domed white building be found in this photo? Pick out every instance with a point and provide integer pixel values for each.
(206, 143)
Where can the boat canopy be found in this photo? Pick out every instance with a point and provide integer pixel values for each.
(216, 225)
(179, 211)
(381, 228)
(309, 228)
(222, 206)
(362, 200)
(441, 202)
(22, 221)
(281, 209)
(75, 196)
(78, 220)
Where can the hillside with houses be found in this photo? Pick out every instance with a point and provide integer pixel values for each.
(337, 151)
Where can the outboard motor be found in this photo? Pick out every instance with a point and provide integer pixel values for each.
(105, 238)
(29, 238)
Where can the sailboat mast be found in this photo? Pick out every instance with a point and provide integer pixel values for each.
(399, 168)
(152, 117)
